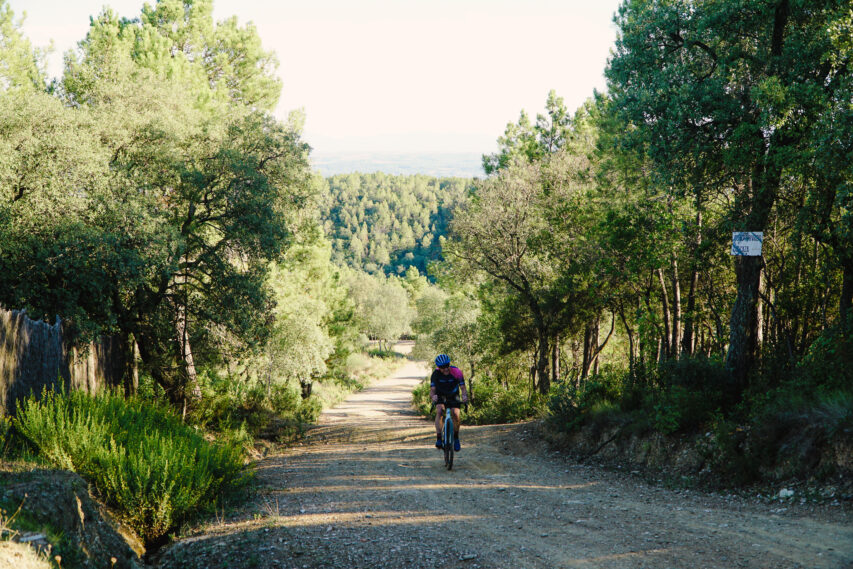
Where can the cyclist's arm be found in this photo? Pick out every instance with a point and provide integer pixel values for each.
(432, 393)
(457, 373)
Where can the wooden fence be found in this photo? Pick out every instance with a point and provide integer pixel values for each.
(35, 354)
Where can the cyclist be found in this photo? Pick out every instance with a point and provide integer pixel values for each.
(447, 388)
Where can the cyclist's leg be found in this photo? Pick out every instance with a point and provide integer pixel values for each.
(439, 419)
(454, 412)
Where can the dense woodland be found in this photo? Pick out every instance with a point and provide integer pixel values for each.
(381, 223)
(149, 193)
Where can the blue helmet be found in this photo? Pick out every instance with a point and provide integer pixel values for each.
(442, 360)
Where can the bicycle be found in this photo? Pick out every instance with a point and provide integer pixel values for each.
(447, 441)
(448, 436)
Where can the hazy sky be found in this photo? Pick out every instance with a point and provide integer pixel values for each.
(404, 75)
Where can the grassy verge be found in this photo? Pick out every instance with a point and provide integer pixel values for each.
(151, 468)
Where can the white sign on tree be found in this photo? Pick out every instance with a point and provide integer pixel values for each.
(747, 243)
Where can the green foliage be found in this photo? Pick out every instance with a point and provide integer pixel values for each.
(693, 390)
(169, 190)
(449, 324)
(142, 460)
(5, 434)
(498, 403)
(310, 321)
(572, 405)
(788, 435)
(495, 403)
(381, 305)
(382, 223)
(241, 410)
(531, 142)
(21, 65)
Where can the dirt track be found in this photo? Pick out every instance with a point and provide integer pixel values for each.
(367, 490)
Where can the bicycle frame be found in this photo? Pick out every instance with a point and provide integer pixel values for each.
(448, 438)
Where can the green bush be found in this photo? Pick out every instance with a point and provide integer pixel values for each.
(5, 434)
(493, 403)
(680, 409)
(142, 460)
(420, 398)
(791, 430)
(729, 453)
(232, 406)
(693, 390)
(572, 404)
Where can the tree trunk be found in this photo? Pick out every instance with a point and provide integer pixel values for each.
(130, 352)
(846, 302)
(743, 326)
(675, 344)
(544, 381)
(598, 348)
(632, 370)
(577, 360)
(555, 360)
(688, 341)
(666, 316)
(590, 343)
(191, 388)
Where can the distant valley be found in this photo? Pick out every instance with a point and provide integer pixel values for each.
(437, 164)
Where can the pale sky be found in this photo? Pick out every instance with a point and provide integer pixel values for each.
(398, 75)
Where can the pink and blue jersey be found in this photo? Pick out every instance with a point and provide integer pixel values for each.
(447, 384)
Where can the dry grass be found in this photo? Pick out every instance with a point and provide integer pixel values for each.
(17, 555)
(20, 556)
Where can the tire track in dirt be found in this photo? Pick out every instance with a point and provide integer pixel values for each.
(367, 489)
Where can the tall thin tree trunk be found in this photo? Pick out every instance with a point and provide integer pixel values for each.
(632, 366)
(192, 391)
(190, 387)
(666, 316)
(544, 381)
(555, 360)
(846, 301)
(676, 310)
(596, 331)
(587, 351)
(688, 342)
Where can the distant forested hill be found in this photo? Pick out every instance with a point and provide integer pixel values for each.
(438, 164)
(379, 222)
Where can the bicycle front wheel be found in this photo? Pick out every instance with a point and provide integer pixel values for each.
(448, 443)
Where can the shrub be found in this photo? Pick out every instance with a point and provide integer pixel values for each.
(493, 403)
(356, 362)
(142, 460)
(791, 430)
(420, 399)
(5, 434)
(572, 404)
(693, 389)
(496, 403)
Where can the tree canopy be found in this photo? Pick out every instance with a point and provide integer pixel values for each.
(383, 223)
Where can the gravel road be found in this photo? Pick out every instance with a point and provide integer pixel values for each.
(367, 489)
